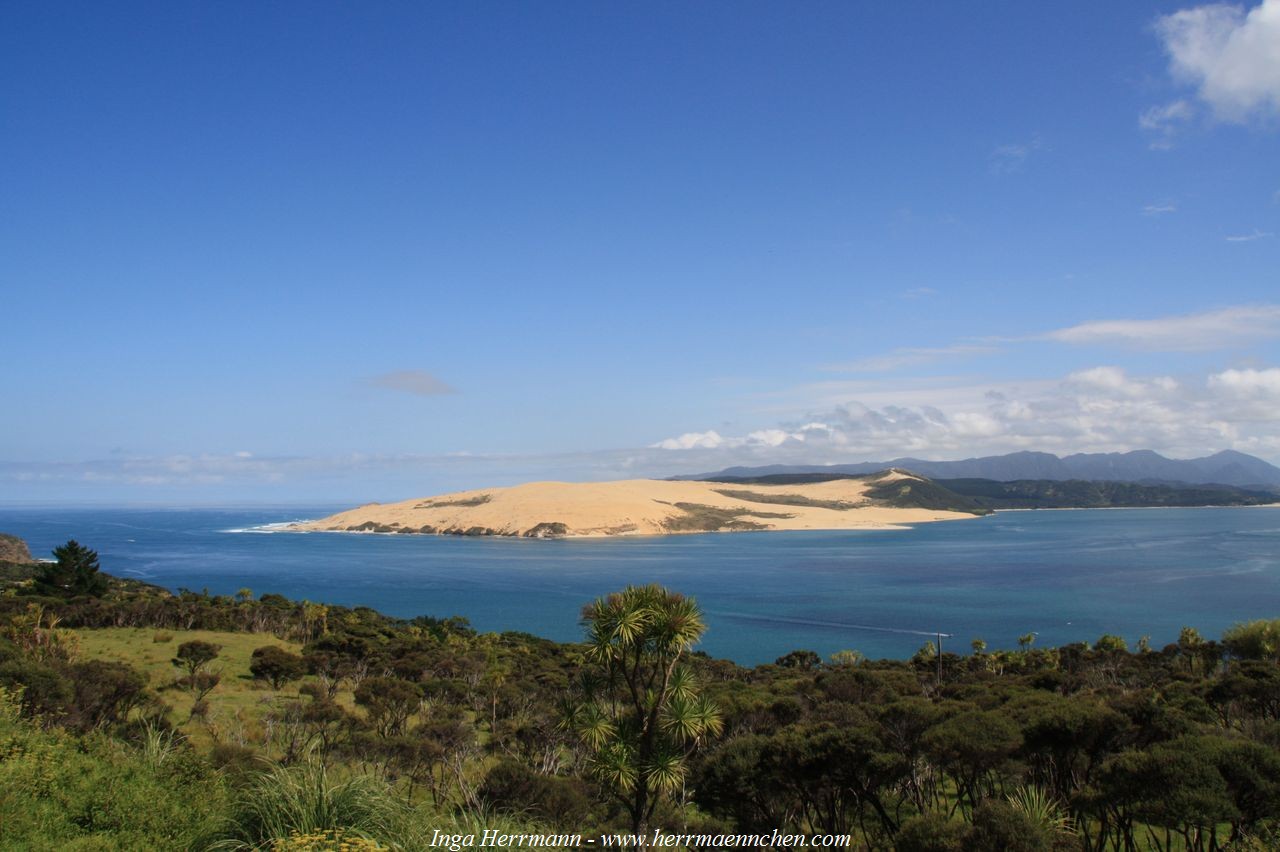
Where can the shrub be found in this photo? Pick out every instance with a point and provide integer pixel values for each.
(233, 759)
(930, 832)
(200, 683)
(1000, 827)
(67, 792)
(43, 690)
(1254, 640)
(276, 665)
(389, 703)
(105, 692)
(516, 788)
(195, 655)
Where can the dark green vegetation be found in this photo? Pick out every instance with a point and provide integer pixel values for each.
(908, 493)
(787, 500)
(920, 494)
(1079, 494)
(74, 573)
(327, 725)
(546, 529)
(1224, 468)
(981, 496)
(701, 518)
(478, 500)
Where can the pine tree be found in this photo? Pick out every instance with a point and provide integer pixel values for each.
(74, 574)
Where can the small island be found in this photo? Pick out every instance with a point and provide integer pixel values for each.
(885, 500)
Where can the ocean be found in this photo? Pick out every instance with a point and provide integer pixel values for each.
(1066, 576)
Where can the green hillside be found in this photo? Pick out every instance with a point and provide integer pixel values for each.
(1080, 494)
(135, 719)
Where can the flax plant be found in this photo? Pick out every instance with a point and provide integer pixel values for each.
(641, 716)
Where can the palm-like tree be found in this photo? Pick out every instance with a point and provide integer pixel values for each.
(641, 715)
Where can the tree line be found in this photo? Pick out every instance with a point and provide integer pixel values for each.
(1084, 747)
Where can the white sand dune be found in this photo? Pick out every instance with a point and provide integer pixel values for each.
(640, 507)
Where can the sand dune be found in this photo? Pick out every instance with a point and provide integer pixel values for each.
(646, 507)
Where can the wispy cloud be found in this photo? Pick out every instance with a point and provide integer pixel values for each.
(1232, 57)
(911, 357)
(1248, 238)
(1010, 158)
(1101, 409)
(1159, 209)
(1220, 329)
(416, 382)
(918, 293)
(1165, 122)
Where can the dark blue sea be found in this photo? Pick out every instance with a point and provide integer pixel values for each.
(1065, 575)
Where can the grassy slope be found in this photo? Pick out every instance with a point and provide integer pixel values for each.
(238, 703)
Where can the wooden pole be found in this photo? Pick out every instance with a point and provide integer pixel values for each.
(939, 658)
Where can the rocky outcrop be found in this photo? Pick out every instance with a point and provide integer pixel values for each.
(14, 550)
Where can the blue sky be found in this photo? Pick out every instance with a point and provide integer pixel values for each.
(345, 252)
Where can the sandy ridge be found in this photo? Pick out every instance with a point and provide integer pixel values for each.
(637, 507)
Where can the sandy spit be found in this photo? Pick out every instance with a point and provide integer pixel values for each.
(635, 507)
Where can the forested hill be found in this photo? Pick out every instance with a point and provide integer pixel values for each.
(1145, 466)
(133, 718)
(989, 494)
(1082, 494)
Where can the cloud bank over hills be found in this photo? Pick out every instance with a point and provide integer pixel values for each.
(1101, 409)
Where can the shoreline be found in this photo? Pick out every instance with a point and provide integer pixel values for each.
(596, 536)
(293, 526)
(1127, 508)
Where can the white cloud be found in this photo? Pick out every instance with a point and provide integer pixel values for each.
(1006, 159)
(1102, 409)
(1109, 378)
(708, 440)
(772, 437)
(1248, 238)
(712, 440)
(1252, 383)
(910, 357)
(1159, 209)
(1218, 329)
(1230, 56)
(416, 382)
(1165, 122)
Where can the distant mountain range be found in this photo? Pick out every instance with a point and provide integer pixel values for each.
(1142, 466)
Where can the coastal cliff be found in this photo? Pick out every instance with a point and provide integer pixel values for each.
(14, 550)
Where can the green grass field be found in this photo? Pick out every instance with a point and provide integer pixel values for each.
(236, 706)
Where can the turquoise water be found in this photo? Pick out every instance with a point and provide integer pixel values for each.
(1068, 576)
